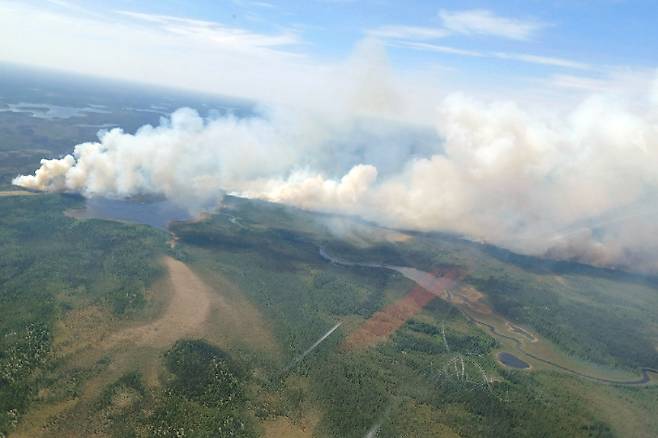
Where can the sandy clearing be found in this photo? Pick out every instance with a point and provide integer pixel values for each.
(471, 298)
(515, 329)
(188, 309)
(203, 306)
(285, 427)
(235, 321)
(81, 329)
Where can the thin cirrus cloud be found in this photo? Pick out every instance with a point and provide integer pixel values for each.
(436, 48)
(467, 22)
(470, 23)
(259, 4)
(484, 22)
(544, 60)
(407, 32)
(579, 83)
(520, 57)
(231, 38)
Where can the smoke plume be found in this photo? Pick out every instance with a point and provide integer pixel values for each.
(578, 185)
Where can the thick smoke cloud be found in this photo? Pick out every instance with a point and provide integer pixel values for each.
(579, 185)
(194, 161)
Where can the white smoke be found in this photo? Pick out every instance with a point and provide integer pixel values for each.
(194, 160)
(185, 158)
(315, 192)
(559, 184)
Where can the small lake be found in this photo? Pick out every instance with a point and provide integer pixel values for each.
(512, 361)
(47, 111)
(158, 213)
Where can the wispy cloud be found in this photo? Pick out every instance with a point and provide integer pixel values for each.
(437, 48)
(466, 22)
(231, 38)
(484, 22)
(407, 32)
(71, 7)
(65, 4)
(521, 57)
(256, 3)
(579, 83)
(190, 53)
(544, 60)
(471, 22)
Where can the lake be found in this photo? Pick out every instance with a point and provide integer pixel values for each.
(156, 213)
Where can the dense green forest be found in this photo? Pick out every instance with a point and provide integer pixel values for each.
(50, 265)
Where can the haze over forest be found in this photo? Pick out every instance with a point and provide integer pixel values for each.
(563, 168)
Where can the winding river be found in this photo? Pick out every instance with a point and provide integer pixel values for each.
(426, 280)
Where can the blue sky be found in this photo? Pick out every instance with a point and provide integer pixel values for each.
(595, 31)
(502, 45)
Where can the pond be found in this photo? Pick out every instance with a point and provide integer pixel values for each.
(508, 359)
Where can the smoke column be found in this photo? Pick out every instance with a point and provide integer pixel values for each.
(580, 184)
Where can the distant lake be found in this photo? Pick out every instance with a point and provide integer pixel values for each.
(157, 214)
(47, 111)
(512, 361)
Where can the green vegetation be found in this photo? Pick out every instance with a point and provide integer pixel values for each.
(205, 398)
(46, 254)
(21, 352)
(608, 333)
(52, 265)
(590, 313)
(122, 404)
(414, 339)
(204, 374)
(434, 376)
(413, 373)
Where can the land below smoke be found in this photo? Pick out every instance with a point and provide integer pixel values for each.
(246, 289)
(108, 330)
(445, 285)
